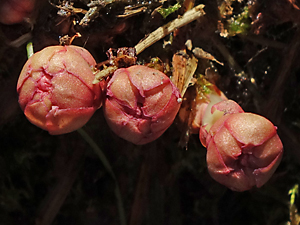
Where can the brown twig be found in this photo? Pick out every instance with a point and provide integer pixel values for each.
(264, 41)
(227, 55)
(163, 31)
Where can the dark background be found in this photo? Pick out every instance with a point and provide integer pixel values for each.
(58, 180)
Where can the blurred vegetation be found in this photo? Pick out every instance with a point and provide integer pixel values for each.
(59, 179)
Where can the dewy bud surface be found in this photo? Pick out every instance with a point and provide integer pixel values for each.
(56, 91)
(141, 103)
(243, 150)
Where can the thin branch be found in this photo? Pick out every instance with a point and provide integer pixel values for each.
(238, 70)
(163, 31)
(263, 41)
(108, 168)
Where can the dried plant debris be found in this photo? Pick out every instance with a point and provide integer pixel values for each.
(166, 29)
(132, 11)
(117, 58)
(266, 14)
(184, 67)
(200, 53)
(87, 12)
(225, 8)
(66, 9)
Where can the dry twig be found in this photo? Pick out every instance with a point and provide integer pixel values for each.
(163, 31)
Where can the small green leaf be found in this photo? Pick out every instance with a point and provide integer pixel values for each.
(293, 192)
(239, 24)
(204, 86)
(165, 12)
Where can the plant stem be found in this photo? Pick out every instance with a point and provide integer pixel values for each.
(29, 48)
(163, 31)
(108, 167)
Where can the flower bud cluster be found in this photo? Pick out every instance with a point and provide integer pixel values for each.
(57, 93)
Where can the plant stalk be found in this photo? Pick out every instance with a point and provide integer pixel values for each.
(108, 168)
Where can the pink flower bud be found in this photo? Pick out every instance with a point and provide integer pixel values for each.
(217, 108)
(56, 91)
(203, 114)
(243, 149)
(141, 103)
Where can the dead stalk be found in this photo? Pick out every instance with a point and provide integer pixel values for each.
(163, 31)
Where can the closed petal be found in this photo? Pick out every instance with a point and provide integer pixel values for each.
(250, 129)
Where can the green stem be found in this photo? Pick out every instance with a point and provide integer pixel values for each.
(108, 167)
(29, 48)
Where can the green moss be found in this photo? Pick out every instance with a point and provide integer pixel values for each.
(239, 24)
(165, 12)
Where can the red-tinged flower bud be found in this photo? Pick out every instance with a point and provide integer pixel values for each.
(56, 90)
(203, 114)
(141, 103)
(243, 150)
(217, 108)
